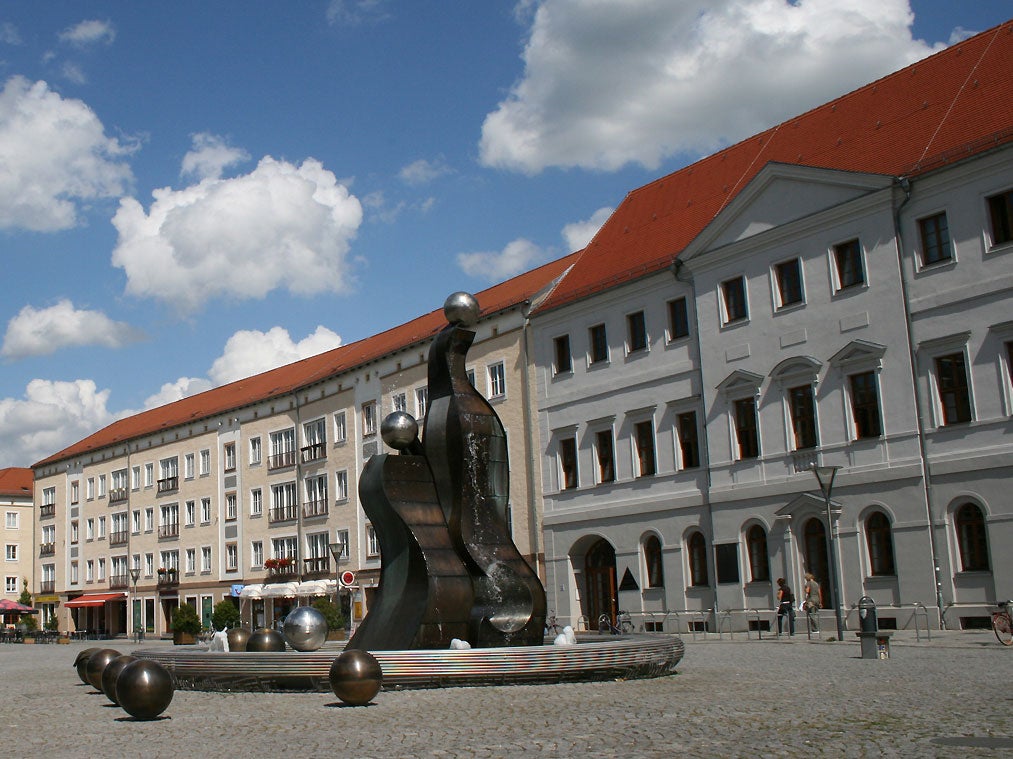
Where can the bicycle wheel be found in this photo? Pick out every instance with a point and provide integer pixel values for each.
(1003, 627)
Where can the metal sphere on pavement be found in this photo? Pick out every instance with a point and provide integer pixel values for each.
(111, 672)
(356, 677)
(238, 636)
(461, 308)
(265, 640)
(144, 689)
(97, 662)
(81, 663)
(305, 628)
(399, 430)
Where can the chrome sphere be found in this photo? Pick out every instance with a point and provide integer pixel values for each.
(461, 308)
(356, 677)
(111, 672)
(144, 689)
(81, 664)
(265, 640)
(97, 662)
(305, 628)
(399, 430)
(238, 636)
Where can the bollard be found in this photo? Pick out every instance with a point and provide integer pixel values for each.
(868, 623)
(875, 644)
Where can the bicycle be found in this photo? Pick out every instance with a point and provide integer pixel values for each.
(1002, 623)
(623, 626)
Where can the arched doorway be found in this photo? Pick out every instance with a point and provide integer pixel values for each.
(600, 577)
(814, 554)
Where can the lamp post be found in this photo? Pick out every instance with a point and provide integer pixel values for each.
(825, 476)
(135, 573)
(338, 552)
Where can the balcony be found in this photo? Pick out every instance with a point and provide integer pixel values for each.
(47, 511)
(281, 570)
(119, 582)
(283, 514)
(168, 531)
(315, 509)
(168, 484)
(119, 538)
(47, 549)
(281, 460)
(47, 586)
(118, 494)
(317, 568)
(314, 452)
(168, 578)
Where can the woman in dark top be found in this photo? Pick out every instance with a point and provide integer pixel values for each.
(785, 606)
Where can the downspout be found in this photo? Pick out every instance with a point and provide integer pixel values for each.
(298, 491)
(905, 185)
(535, 529)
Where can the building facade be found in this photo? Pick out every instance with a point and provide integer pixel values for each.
(19, 527)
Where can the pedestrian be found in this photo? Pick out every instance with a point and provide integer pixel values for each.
(812, 601)
(785, 606)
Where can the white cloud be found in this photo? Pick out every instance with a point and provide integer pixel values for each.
(607, 84)
(9, 34)
(579, 233)
(51, 416)
(353, 12)
(175, 391)
(73, 73)
(87, 33)
(39, 332)
(250, 352)
(279, 227)
(423, 171)
(210, 156)
(54, 155)
(516, 257)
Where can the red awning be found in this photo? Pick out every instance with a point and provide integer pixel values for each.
(94, 599)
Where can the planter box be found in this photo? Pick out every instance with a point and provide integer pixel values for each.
(63, 640)
(183, 638)
(335, 635)
(29, 640)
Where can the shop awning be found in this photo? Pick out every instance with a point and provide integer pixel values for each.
(94, 599)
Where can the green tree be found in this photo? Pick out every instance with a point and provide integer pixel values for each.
(335, 620)
(225, 614)
(185, 620)
(25, 599)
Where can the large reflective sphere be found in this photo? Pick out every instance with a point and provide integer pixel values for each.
(461, 308)
(265, 640)
(356, 677)
(144, 689)
(238, 636)
(111, 672)
(81, 664)
(305, 629)
(399, 430)
(97, 662)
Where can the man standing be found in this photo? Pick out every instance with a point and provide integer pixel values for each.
(812, 600)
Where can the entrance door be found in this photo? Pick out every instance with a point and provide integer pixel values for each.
(814, 548)
(600, 574)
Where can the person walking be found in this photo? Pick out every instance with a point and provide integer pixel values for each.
(785, 606)
(812, 600)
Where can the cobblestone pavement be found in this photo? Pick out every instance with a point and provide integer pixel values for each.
(739, 697)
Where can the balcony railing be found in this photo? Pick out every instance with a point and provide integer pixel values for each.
(47, 586)
(168, 484)
(119, 538)
(119, 582)
(314, 452)
(168, 530)
(168, 579)
(283, 514)
(279, 570)
(47, 549)
(118, 494)
(315, 509)
(281, 460)
(47, 510)
(316, 568)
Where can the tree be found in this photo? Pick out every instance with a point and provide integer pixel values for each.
(335, 621)
(26, 597)
(225, 615)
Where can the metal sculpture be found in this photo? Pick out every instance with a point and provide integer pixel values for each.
(355, 677)
(144, 689)
(97, 662)
(81, 663)
(265, 640)
(237, 637)
(305, 628)
(111, 672)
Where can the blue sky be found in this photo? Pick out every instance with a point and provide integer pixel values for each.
(192, 192)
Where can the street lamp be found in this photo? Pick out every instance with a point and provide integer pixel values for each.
(338, 552)
(135, 573)
(825, 476)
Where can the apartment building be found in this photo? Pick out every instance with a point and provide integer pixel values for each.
(19, 539)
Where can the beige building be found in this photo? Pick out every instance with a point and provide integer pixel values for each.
(18, 531)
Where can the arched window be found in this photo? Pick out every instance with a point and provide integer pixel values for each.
(971, 538)
(652, 558)
(697, 559)
(756, 545)
(880, 540)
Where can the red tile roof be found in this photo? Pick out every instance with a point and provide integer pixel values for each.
(952, 105)
(309, 371)
(16, 481)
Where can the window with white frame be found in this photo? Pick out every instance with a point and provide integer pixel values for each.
(229, 456)
(101, 528)
(316, 493)
(11, 520)
(169, 559)
(256, 502)
(231, 557)
(735, 306)
(849, 268)
(369, 418)
(562, 356)
(256, 451)
(231, 506)
(802, 412)
(257, 553)
(89, 528)
(74, 532)
(947, 364)
(643, 445)
(149, 474)
(205, 511)
(341, 485)
(282, 449)
(340, 431)
(934, 236)
(747, 436)
(285, 548)
(149, 519)
(75, 577)
(205, 462)
(678, 319)
(863, 392)
(421, 402)
(497, 380)
(75, 492)
(89, 570)
(189, 466)
(135, 478)
(135, 521)
(11, 584)
(205, 559)
(12, 551)
(149, 564)
(101, 486)
(788, 283)
(314, 440)
(399, 402)
(90, 488)
(190, 565)
(636, 332)
(341, 537)
(101, 569)
(372, 543)
(568, 475)
(190, 513)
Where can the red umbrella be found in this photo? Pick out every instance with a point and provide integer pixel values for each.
(8, 606)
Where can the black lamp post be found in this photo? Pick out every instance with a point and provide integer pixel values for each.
(135, 573)
(338, 552)
(825, 476)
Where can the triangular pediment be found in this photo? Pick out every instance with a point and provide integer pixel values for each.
(807, 504)
(740, 380)
(858, 351)
(796, 367)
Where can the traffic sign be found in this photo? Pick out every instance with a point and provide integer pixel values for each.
(347, 578)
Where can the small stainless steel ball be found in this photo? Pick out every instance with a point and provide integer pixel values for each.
(144, 689)
(399, 429)
(265, 640)
(238, 636)
(97, 662)
(356, 677)
(111, 672)
(81, 664)
(461, 308)
(305, 628)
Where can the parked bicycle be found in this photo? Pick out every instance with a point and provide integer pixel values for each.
(1002, 623)
(622, 626)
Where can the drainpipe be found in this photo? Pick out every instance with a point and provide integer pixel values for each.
(905, 185)
(535, 533)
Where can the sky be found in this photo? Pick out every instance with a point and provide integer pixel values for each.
(194, 192)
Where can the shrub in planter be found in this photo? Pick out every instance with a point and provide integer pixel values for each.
(185, 624)
(335, 620)
(225, 614)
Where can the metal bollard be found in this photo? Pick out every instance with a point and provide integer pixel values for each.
(875, 644)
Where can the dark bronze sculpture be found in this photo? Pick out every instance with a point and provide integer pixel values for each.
(449, 566)
(144, 689)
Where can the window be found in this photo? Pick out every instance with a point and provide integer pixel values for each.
(745, 428)
(953, 391)
(256, 554)
(149, 564)
(598, 342)
(372, 544)
(256, 451)
(563, 357)
(149, 475)
(189, 466)
(1000, 210)
(880, 542)
(190, 513)
(340, 432)
(229, 454)
(726, 562)
(315, 439)
(605, 453)
(848, 264)
(865, 405)
(89, 529)
(316, 495)
(256, 502)
(101, 486)
(101, 528)
(282, 449)
(652, 560)
(935, 237)
(636, 332)
(11, 584)
(733, 294)
(74, 573)
(205, 462)
(135, 479)
(678, 319)
(205, 511)
(101, 570)
(168, 474)
(75, 492)
(341, 536)
(190, 565)
(399, 402)
(341, 485)
(789, 282)
(135, 522)
(205, 559)
(421, 402)
(231, 557)
(12, 552)
(90, 488)
(568, 462)
(697, 559)
(756, 546)
(89, 570)
(972, 540)
(11, 520)
(149, 519)
(497, 380)
(803, 416)
(231, 506)
(689, 442)
(643, 436)
(369, 418)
